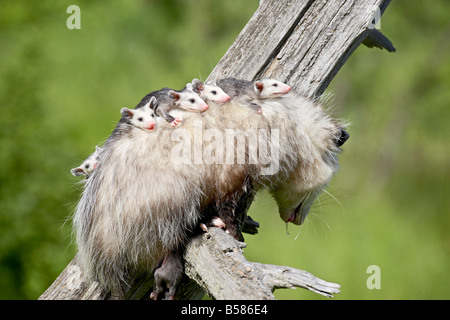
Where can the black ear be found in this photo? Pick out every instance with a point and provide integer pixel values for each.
(126, 113)
(197, 85)
(78, 171)
(152, 103)
(343, 137)
(174, 95)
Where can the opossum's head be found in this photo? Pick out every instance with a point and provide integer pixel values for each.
(88, 165)
(270, 88)
(296, 195)
(208, 92)
(188, 100)
(143, 118)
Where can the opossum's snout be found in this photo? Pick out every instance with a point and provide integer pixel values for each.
(287, 89)
(298, 215)
(150, 126)
(225, 99)
(202, 108)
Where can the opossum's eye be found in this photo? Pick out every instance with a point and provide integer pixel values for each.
(153, 115)
(275, 85)
(192, 100)
(140, 119)
(214, 92)
(86, 166)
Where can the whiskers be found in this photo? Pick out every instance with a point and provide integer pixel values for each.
(317, 214)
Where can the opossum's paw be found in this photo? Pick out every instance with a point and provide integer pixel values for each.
(218, 223)
(215, 222)
(167, 277)
(175, 122)
(154, 295)
(169, 295)
(164, 288)
(256, 107)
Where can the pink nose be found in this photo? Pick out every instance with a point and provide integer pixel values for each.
(151, 126)
(288, 89)
(205, 107)
(291, 217)
(227, 99)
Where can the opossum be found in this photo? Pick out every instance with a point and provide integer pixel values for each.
(169, 99)
(142, 118)
(136, 208)
(249, 91)
(141, 204)
(319, 140)
(210, 93)
(88, 165)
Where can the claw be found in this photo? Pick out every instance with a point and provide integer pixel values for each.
(154, 295)
(218, 223)
(175, 122)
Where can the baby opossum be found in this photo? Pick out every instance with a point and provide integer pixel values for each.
(168, 100)
(88, 165)
(141, 204)
(143, 118)
(210, 93)
(251, 91)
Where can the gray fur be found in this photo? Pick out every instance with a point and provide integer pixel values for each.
(139, 205)
(169, 99)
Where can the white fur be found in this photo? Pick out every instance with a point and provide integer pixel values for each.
(214, 94)
(270, 88)
(209, 92)
(190, 101)
(139, 204)
(88, 165)
(142, 118)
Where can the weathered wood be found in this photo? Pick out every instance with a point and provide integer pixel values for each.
(225, 273)
(319, 36)
(72, 285)
(303, 43)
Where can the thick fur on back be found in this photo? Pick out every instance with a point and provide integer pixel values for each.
(135, 208)
(139, 204)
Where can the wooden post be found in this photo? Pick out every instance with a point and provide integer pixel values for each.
(303, 43)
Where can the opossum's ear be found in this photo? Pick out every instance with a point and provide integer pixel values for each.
(198, 85)
(342, 138)
(97, 149)
(259, 86)
(174, 95)
(78, 171)
(127, 113)
(189, 86)
(152, 103)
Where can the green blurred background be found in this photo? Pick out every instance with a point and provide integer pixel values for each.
(61, 91)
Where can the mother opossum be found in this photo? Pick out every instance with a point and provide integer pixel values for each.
(151, 190)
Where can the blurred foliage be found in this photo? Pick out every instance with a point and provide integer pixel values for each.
(61, 91)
